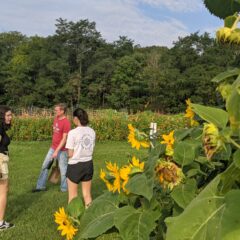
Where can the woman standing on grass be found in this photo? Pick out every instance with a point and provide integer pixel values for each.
(5, 124)
(80, 145)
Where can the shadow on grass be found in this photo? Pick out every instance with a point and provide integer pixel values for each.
(18, 204)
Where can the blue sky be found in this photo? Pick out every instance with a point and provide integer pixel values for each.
(147, 22)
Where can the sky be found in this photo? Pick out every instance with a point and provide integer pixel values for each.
(147, 22)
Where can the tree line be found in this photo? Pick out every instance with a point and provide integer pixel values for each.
(77, 66)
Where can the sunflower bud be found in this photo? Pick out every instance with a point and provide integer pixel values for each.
(211, 139)
(225, 89)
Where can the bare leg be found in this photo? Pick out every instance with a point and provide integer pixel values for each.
(86, 192)
(3, 198)
(72, 190)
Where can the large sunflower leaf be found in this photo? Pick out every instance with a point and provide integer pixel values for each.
(206, 217)
(222, 8)
(184, 193)
(213, 115)
(99, 217)
(184, 153)
(135, 224)
(140, 185)
(200, 220)
(226, 75)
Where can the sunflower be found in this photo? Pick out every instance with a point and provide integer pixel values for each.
(168, 174)
(125, 172)
(108, 184)
(190, 114)
(135, 166)
(60, 216)
(112, 178)
(136, 163)
(137, 138)
(169, 141)
(116, 179)
(65, 224)
(212, 140)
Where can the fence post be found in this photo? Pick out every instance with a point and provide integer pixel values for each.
(153, 131)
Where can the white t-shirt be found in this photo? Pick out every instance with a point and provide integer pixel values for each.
(82, 141)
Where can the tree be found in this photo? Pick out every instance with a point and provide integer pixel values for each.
(128, 86)
(81, 39)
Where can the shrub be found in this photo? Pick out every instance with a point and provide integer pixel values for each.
(108, 124)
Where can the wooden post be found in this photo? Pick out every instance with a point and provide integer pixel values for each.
(153, 131)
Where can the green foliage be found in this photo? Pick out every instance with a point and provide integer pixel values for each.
(108, 124)
(99, 217)
(31, 129)
(184, 153)
(76, 66)
(184, 193)
(189, 186)
(139, 185)
(214, 214)
(76, 207)
(135, 224)
(216, 116)
(222, 8)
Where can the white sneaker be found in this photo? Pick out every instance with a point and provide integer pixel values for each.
(5, 225)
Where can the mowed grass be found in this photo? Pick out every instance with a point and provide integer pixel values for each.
(32, 213)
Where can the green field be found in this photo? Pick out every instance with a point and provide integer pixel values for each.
(32, 213)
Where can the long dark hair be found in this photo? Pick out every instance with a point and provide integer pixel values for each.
(82, 116)
(3, 110)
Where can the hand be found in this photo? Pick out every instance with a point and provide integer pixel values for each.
(55, 154)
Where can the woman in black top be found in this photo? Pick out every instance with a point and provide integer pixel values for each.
(5, 123)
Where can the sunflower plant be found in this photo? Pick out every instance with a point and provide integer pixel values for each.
(149, 197)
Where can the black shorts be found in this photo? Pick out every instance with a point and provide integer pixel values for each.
(80, 172)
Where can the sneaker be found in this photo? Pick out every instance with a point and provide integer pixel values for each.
(88, 205)
(38, 190)
(6, 226)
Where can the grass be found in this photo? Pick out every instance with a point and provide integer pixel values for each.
(32, 213)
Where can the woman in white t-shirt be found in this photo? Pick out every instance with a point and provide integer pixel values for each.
(80, 145)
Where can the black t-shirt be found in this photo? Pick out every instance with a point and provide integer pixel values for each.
(5, 140)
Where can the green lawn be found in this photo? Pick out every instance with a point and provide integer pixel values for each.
(32, 213)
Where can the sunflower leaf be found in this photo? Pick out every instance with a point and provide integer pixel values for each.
(135, 224)
(76, 207)
(99, 217)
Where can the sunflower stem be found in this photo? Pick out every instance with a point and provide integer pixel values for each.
(74, 220)
(234, 143)
(235, 23)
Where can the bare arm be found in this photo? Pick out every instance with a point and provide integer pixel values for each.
(60, 145)
(70, 153)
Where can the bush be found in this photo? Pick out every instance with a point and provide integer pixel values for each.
(108, 124)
